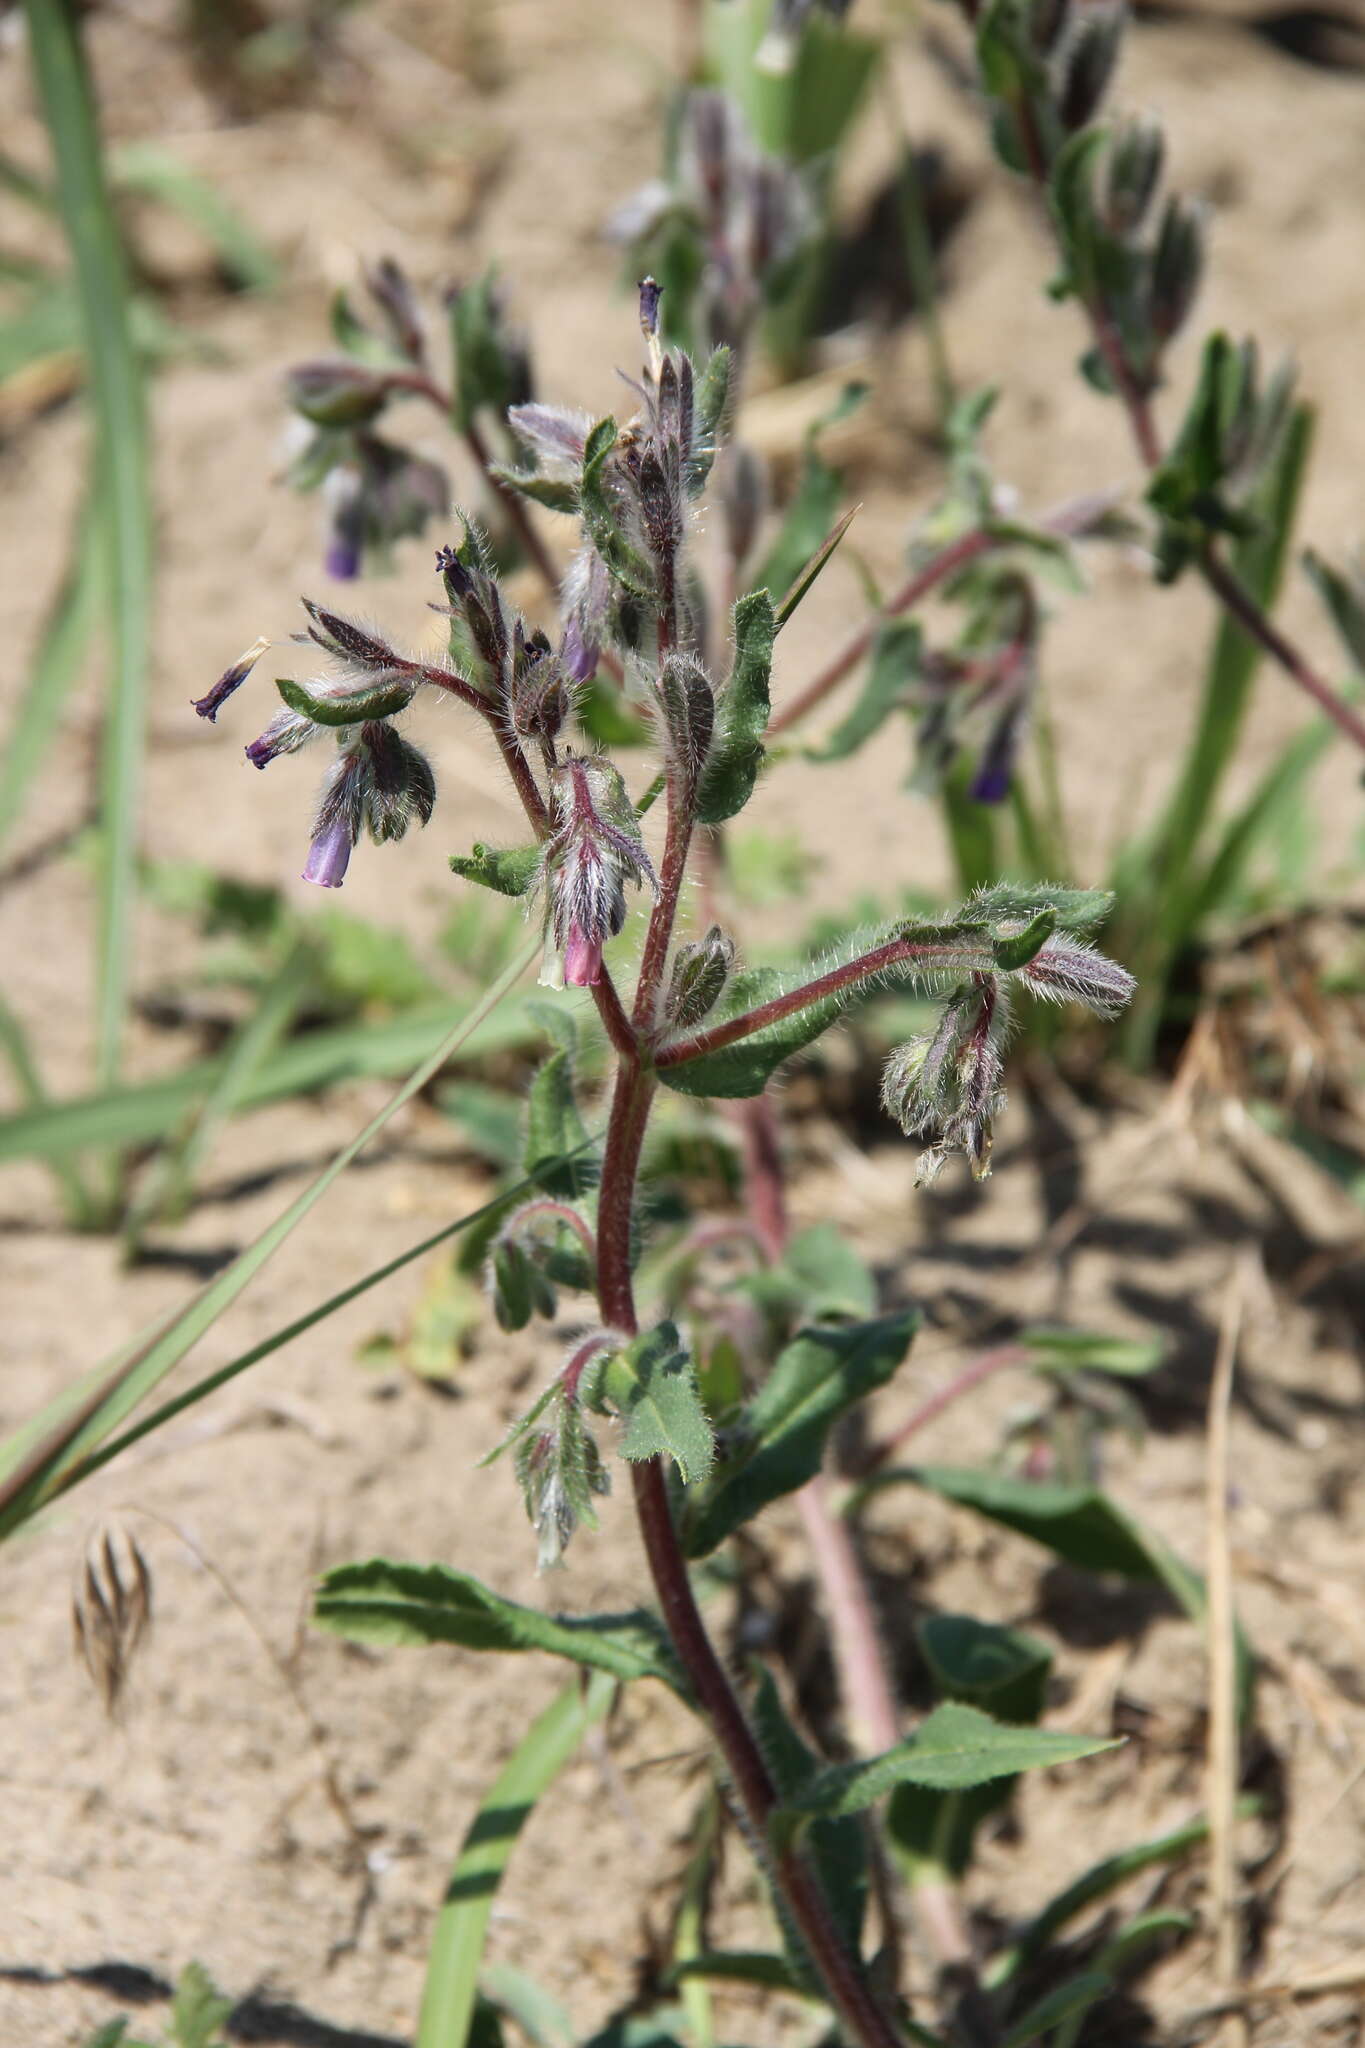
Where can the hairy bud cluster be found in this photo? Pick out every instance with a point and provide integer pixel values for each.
(701, 969)
(947, 1085)
(594, 849)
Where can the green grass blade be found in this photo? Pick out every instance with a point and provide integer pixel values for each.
(1259, 561)
(451, 1989)
(124, 503)
(1212, 891)
(17, 1050)
(36, 1460)
(140, 1113)
(211, 1382)
(971, 832)
(56, 665)
(142, 167)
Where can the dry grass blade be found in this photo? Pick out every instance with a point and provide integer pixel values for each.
(111, 1611)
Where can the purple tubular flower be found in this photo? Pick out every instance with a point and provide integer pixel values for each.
(285, 734)
(582, 959)
(995, 769)
(231, 679)
(329, 855)
(342, 558)
(579, 656)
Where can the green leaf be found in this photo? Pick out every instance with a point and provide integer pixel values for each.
(484, 371)
(123, 502)
(143, 167)
(808, 521)
(1077, 1523)
(379, 699)
(509, 871)
(742, 708)
(1000, 1670)
(1091, 1351)
(555, 1129)
(746, 1067)
(556, 494)
(1079, 911)
(1344, 598)
(654, 1387)
(832, 1279)
(451, 1988)
(1076, 1996)
(896, 657)
(198, 2010)
(56, 664)
(1015, 949)
(383, 1602)
(43, 1457)
(957, 1747)
(814, 1380)
(1094, 1884)
(600, 517)
(819, 561)
(741, 1966)
(712, 402)
(543, 2018)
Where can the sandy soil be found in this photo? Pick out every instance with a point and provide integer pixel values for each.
(200, 1826)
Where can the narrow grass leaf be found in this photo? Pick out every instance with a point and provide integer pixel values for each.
(457, 1942)
(124, 500)
(144, 168)
(14, 1043)
(57, 663)
(34, 1462)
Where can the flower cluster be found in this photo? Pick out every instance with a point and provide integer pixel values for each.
(593, 850)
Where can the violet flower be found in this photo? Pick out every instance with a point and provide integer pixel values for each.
(582, 959)
(329, 855)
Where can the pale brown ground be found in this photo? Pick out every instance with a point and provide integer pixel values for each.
(198, 1828)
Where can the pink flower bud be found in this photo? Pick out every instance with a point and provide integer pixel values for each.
(582, 959)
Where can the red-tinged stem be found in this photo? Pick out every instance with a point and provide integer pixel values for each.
(1243, 607)
(841, 1972)
(1067, 521)
(864, 968)
(970, 1377)
(454, 686)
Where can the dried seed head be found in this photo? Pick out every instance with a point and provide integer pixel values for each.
(111, 1611)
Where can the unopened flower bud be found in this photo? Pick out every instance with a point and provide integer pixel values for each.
(230, 680)
(688, 704)
(650, 294)
(1177, 266)
(700, 971)
(1063, 970)
(946, 1086)
(336, 394)
(1132, 175)
(742, 489)
(285, 734)
(399, 784)
(594, 850)
(1090, 62)
(396, 300)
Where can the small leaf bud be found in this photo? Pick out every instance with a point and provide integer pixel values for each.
(1089, 65)
(700, 971)
(1177, 265)
(336, 394)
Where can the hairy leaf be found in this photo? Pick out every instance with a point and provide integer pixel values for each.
(818, 1376)
(957, 1747)
(383, 1602)
(653, 1385)
(509, 871)
(741, 715)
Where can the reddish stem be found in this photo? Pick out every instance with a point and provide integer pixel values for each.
(865, 968)
(1068, 521)
(562, 1213)
(929, 1411)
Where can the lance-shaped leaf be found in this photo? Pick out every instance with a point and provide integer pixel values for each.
(818, 1376)
(1077, 1523)
(380, 698)
(653, 1386)
(510, 871)
(713, 396)
(554, 1128)
(741, 715)
(1014, 949)
(1075, 910)
(380, 1601)
(956, 1748)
